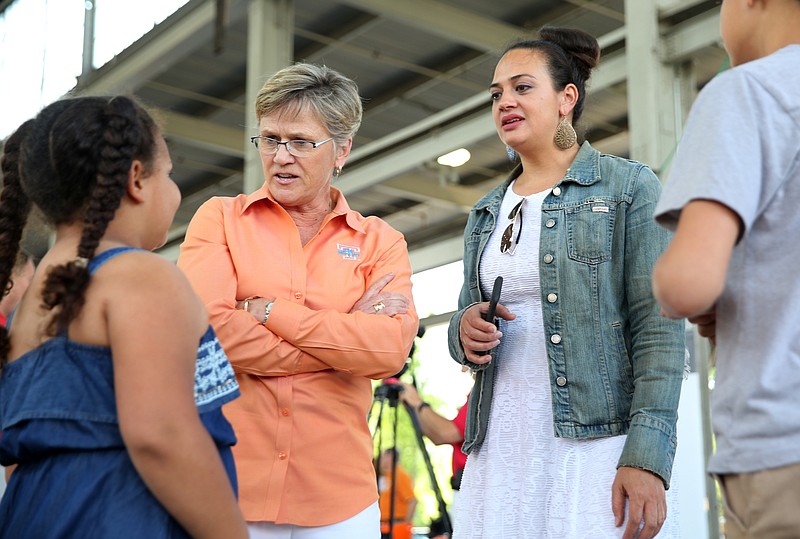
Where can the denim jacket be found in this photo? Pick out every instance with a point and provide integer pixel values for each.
(616, 365)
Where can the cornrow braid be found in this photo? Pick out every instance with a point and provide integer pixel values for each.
(121, 141)
(14, 209)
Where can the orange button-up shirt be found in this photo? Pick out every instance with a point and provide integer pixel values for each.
(304, 454)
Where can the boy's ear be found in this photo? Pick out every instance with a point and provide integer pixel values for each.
(135, 188)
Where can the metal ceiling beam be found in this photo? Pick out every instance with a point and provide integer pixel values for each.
(688, 37)
(424, 190)
(437, 254)
(612, 70)
(436, 143)
(203, 133)
(438, 140)
(228, 141)
(433, 121)
(451, 23)
(670, 8)
(155, 53)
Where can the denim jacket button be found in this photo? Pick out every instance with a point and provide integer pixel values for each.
(550, 223)
(557, 191)
(561, 381)
(548, 258)
(555, 338)
(552, 298)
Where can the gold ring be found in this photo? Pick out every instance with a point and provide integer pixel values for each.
(379, 306)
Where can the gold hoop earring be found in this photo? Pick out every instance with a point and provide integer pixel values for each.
(565, 136)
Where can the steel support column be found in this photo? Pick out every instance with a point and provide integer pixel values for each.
(269, 48)
(651, 107)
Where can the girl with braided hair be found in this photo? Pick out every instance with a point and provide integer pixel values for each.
(112, 381)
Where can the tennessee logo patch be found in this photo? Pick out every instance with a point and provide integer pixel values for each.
(347, 252)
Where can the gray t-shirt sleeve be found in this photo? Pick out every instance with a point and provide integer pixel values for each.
(720, 155)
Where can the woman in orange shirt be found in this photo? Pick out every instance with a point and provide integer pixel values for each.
(310, 300)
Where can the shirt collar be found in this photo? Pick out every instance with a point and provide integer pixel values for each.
(340, 207)
(585, 168)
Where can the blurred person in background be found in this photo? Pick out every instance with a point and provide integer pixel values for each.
(393, 477)
(441, 431)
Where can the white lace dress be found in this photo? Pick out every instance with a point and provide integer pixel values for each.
(523, 482)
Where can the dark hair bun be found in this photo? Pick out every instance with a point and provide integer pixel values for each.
(583, 47)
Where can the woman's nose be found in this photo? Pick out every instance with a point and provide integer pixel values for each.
(505, 102)
(282, 154)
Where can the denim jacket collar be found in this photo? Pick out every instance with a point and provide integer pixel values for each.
(584, 170)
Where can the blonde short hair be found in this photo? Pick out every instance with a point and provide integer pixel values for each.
(331, 96)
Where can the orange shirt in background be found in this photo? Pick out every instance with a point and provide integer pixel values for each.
(304, 454)
(404, 493)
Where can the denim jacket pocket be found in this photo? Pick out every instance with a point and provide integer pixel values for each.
(620, 371)
(590, 229)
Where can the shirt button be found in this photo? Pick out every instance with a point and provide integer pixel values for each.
(561, 381)
(282, 455)
(557, 191)
(548, 258)
(298, 295)
(550, 223)
(552, 297)
(284, 412)
(555, 338)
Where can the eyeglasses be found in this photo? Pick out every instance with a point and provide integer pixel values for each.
(298, 147)
(508, 243)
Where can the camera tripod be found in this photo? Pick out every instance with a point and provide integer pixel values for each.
(389, 392)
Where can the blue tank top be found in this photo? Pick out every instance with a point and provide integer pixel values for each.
(60, 426)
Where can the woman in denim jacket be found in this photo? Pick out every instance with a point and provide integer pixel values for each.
(571, 427)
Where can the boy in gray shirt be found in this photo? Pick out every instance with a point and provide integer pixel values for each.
(733, 199)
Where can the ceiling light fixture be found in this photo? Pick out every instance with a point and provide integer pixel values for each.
(456, 158)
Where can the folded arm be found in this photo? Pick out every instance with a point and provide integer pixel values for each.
(298, 338)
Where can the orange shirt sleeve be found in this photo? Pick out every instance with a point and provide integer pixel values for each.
(206, 260)
(361, 344)
(233, 251)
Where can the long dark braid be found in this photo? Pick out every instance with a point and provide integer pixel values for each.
(75, 168)
(66, 285)
(14, 209)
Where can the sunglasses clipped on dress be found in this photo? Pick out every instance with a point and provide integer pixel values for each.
(508, 243)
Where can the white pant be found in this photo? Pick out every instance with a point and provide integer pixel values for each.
(365, 525)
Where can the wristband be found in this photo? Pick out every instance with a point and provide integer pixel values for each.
(422, 405)
(267, 310)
